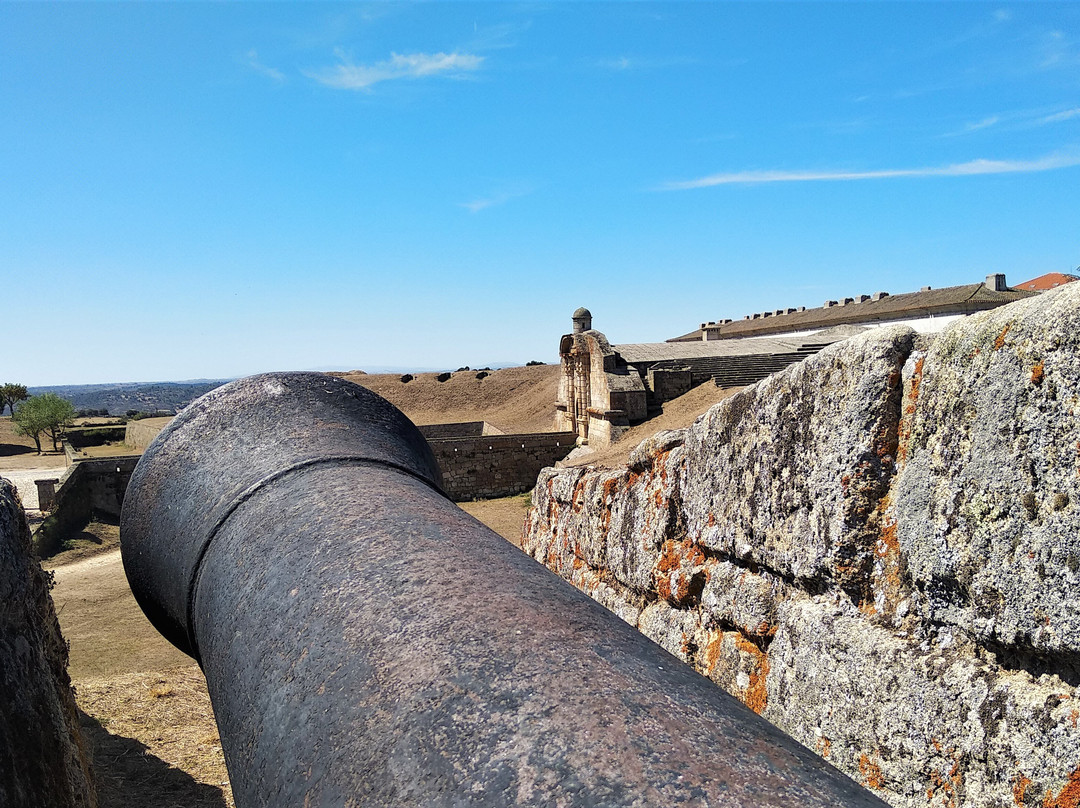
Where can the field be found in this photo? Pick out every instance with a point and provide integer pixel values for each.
(144, 707)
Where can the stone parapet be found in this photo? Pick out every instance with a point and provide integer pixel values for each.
(875, 549)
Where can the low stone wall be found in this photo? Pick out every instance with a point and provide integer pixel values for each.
(497, 465)
(42, 759)
(464, 429)
(87, 487)
(877, 549)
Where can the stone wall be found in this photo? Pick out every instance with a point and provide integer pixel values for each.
(465, 429)
(140, 434)
(667, 384)
(876, 549)
(42, 759)
(497, 465)
(87, 487)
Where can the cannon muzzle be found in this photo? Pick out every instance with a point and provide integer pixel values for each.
(367, 642)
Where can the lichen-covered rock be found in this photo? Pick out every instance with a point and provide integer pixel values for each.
(876, 549)
(988, 503)
(791, 473)
(42, 762)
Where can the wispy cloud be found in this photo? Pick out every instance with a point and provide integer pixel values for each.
(1057, 117)
(251, 59)
(348, 76)
(627, 63)
(622, 63)
(494, 200)
(968, 169)
(975, 126)
(985, 123)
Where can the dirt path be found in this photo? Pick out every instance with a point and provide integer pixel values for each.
(106, 629)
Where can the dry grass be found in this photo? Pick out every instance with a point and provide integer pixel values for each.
(520, 399)
(505, 516)
(153, 740)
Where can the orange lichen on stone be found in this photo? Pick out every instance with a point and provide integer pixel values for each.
(824, 746)
(950, 785)
(904, 432)
(871, 772)
(1019, 786)
(712, 653)
(1037, 373)
(756, 695)
(1068, 797)
(1000, 341)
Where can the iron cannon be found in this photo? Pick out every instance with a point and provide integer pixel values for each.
(367, 642)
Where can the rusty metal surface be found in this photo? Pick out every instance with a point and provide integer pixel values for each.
(366, 642)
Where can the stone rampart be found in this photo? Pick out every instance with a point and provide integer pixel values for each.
(497, 465)
(876, 549)
(140, 434)
(87, 487)
(465, 429)
(42, 759)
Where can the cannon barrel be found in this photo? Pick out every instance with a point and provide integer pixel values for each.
(367, 642)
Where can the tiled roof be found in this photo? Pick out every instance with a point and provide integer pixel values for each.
(950, 300)
(1050, 280)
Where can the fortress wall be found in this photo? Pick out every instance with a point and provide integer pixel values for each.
(465, 429)
(88, 487)
(877, 549)
(140, 434)
(497, 465)
(42, 759)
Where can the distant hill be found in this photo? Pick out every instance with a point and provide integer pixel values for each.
(123, 397)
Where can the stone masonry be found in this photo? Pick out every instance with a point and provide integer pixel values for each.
(876, 549)
(496, 465)
(42, 760)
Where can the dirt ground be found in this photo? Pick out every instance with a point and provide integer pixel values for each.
(18, 452)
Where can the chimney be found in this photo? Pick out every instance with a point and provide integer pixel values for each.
(995, 282)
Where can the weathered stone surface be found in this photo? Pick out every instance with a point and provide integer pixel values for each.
(795, 467)
(988, 501)
(41, 756)
(876, 549)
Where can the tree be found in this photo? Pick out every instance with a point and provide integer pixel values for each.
(47, 414)
(12, 394)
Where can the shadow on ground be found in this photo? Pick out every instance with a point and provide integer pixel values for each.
(12, 449)
(128, 775)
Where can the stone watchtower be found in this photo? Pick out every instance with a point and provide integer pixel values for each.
(582, 320)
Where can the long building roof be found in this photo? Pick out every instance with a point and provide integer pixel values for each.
(926, 303)
(649, 352)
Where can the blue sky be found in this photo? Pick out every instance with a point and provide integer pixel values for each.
(211, 190)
